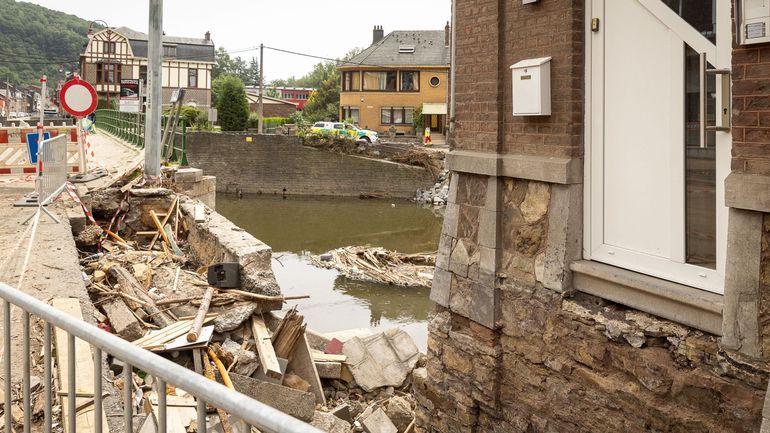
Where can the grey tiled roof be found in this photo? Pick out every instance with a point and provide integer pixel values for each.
(186, 48)
(429, 50)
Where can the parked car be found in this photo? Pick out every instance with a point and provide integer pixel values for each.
(345, 130)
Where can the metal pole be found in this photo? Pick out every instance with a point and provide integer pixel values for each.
(48, 393)
(40, 138)
(261, 87)
(7, 364)
(152, 148)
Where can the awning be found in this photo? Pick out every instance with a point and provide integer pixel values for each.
(434, 108)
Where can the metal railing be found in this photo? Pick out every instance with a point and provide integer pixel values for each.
(129, 127)
(252, 412)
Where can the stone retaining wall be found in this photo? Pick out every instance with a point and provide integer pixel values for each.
(275, 164)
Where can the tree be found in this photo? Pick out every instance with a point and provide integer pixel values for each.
(226, 65)
(232, 104)
(324, 103)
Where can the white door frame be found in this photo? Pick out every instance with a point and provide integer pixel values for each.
(593, 247)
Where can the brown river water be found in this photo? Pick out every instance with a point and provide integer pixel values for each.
(297, 226)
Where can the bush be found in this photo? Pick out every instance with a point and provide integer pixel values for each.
(191, 115)
(101, 103)
(268, 122)
(232, 104)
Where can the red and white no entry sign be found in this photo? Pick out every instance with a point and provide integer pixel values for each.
(78, 97)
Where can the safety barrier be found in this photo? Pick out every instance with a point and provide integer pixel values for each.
(54, 155)
(165, 372)
(129, 127)
(15, 155)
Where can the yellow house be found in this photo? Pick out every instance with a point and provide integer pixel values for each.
(385, 83)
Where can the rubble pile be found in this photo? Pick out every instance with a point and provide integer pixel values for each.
(379, 265)
(154, 276)
(438, 195)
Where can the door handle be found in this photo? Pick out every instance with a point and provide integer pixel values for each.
(724, 110)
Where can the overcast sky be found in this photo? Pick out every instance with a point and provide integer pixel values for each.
(324, 28)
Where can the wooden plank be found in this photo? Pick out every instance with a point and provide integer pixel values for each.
(265, 350)
(180, 412)
(84, 372)
(325, 357)
(168, 334)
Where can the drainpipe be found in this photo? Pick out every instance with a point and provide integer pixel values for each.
(452, 55)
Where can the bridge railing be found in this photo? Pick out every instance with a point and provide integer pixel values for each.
(165, 372)
(129, 127)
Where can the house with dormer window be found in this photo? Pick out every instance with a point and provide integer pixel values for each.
(383, 85)
(115, 54)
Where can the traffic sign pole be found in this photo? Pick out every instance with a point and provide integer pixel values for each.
(40, 137)
(79, 99)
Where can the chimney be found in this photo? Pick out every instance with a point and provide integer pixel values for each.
(447, 34)
(377, 35)
(207, 37)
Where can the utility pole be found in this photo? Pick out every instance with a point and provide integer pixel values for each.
(261, 87)
(152, 148)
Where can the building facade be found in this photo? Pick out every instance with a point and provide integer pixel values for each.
(271, 107)
(121, 53)
(296, 95)
(403, 71)
(604, 266)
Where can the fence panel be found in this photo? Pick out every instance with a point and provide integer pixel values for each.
(129, 127)
(53, 153)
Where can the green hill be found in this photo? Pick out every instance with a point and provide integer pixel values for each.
(35, 40)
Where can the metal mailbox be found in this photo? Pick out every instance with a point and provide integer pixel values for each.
(532, 87)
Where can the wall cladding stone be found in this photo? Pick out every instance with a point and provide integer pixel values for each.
(274, 164)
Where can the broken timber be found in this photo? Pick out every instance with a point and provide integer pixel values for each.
(265, 350)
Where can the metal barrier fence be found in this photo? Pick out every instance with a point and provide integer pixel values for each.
(129, 127)
(252, 412)
(53, 153)
(14, 154)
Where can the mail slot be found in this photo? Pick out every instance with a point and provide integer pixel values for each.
(532, 87)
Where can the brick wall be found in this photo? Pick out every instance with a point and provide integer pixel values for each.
(493, 35)
(271, 163)
(751, 109)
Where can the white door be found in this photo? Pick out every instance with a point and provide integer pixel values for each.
(655, 199)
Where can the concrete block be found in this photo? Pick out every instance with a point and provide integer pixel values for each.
(122, 320)
(484, 306)
(740, 319)
(451, 219)
(296, 403)
(564, 242)
(459, 260)
(444, 248)
(329, 423)
(188, 175)
(488, 228)
(440, 289)
(378, 422)
(329, 370)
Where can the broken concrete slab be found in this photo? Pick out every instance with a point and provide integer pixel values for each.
(329, 423)
(188, 175)
(378, 422)
(122, 320)
(260, 375)
(384, 359)
(296, 403)
(234, 317)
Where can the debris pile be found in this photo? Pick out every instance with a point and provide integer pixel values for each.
(431, 160)
(379, 265)
(155, 278)
(438, 195)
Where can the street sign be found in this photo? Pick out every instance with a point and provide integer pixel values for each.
(78, 98)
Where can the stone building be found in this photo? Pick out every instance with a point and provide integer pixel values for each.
(383, 85)
(119, 53)
(605, 266)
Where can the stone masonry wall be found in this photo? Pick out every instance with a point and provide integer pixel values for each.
(274, 164)
(563, 362)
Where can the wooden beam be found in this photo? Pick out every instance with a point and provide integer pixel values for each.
(84, 372)
(265, 350)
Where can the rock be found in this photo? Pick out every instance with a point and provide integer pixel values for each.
(329, 423)
(99, 276)
(378, 422)
(246, 362)
(234, 317)
(293, 381)
(296, 403)
(400, 412)
(122, 320)
(343, 412)
(89, 236)
(535, 204)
